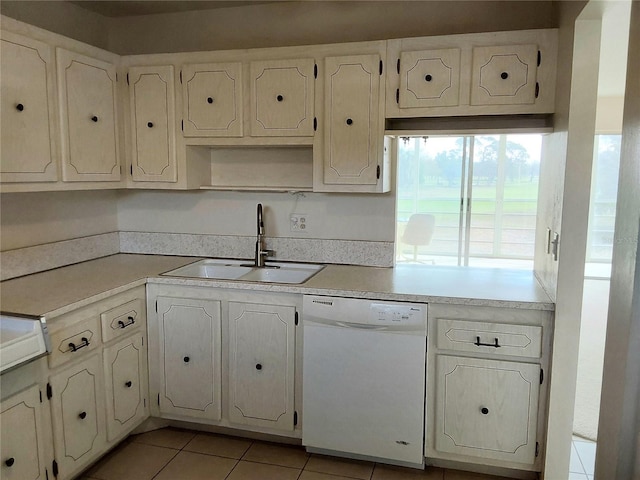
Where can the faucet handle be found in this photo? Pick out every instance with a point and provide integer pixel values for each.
(268, 253)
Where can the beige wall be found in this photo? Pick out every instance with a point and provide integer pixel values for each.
(619, 428)
(28, 219)
(63, 18)
(334, 216)
(315, 22)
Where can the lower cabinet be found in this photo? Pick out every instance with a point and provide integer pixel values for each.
(189, 348)
(225, 357)
(125, 365)
(21, 443)
(261, 365)
(487, 408)
(77, 411)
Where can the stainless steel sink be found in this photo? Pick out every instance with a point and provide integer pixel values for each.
(273, 272)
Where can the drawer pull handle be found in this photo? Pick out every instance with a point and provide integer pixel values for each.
(20, 107)
(280, 98)
(128, 384)
(9, 462)
(125, 325)
(186, 359)
(484, 410)
(83, 415)
(504, 75)
(258, 366)
(94, 118)
(428, 78)
(480, 344)
(74, 348)
(209, 100)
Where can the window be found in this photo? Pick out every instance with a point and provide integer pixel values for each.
(468, 200)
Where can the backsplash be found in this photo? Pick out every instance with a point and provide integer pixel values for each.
(24, 261)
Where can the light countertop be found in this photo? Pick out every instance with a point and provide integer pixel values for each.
(58, 291)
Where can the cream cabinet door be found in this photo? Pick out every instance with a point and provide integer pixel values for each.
(189, 333)
(282, 97)
(21, 446)
(261, 365)
(126, 385)
(429, 78)
(77, 411)
(487, 408)
(504, 75)
(87, 93)
(27, 110)
(152, 100)
(352, 119)
(212, 95)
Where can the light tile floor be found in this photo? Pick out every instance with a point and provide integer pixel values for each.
(173, 454)
(583, 459)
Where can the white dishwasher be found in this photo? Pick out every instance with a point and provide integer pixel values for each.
(364, 379)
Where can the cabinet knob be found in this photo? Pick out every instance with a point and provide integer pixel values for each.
(209, 99)
(280, 98)
(150, 124)
(20, 107)
(83, 415)
(504, 75)
(258, 366)
(9, 462)
(428, 78)
(349, 121)
(128, 384)
(94, 119)
(186, 359)
(484, 410)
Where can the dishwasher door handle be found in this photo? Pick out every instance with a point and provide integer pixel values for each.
(360, 326)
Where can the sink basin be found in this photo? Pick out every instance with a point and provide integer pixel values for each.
(274, 272)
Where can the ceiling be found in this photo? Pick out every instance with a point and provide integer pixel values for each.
(132, 8)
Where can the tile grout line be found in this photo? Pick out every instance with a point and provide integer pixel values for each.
(584, 470)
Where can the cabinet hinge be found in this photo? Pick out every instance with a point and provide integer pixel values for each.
(182, 125)
(315, 70)
(315, 124)
(158, 399)
(144, 402)
(380, 67)
(156, 306)
(295, 418)
(537, 89)
(46, 473)
(132, 170)
(537, 449)
(116, 76)
(49, 391)
(120, 169)
(40, 396)
(54, 468)
(296, 320)
(541, 376)
(127, 79)
(378, 172)
(180, 76)
(539, 58)
(397, 95)
(398, 65)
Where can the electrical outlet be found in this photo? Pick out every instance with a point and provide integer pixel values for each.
(298, 222)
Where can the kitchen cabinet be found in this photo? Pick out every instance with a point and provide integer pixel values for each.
(486, 386)
(125, 365)
(212, 94)
(189, 357)
(487, 408)
(152, 109)
(282, 97)
(88, 117)
(261, 364)
(497, 73)
(77, 412)
(21, 447)
(353, 140)
(28, 133)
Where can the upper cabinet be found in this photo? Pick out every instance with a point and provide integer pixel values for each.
(475, 74)
(282, 96)
(152, 104)
(212, 94)
(88, 117)
(28, 112)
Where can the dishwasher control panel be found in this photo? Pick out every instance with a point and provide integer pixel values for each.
(395, 314)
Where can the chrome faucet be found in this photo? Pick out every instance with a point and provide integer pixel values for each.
(261, 252)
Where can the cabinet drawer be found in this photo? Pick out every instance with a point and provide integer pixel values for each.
(493, 338)
(122, 319)
(71, 342)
